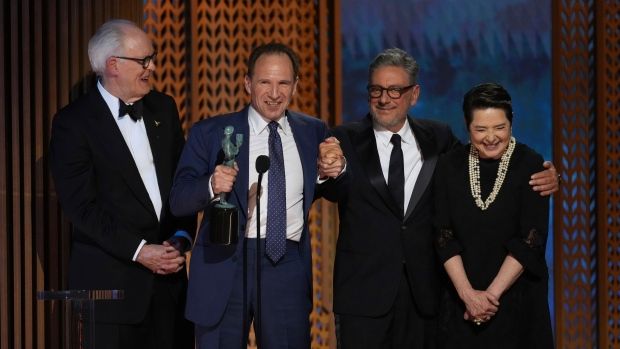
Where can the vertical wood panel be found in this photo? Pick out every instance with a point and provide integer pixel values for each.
(586, 118)
(4, 201)
(574, 149)
(38, 333)
(15, 105)
(27, 121)
(608, 181)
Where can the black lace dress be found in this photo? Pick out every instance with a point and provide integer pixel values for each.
(516, 223)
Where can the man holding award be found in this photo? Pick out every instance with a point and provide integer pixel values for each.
(222, 299)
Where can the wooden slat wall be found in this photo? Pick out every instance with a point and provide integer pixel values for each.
(586, 119)
(44, 65)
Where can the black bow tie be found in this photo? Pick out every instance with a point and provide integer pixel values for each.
(134, 110)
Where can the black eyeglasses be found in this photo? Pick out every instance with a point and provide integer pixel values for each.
(375, 91)
(144, 62)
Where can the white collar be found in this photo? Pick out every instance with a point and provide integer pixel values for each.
(384, 136)
(258, 124)
(110, 100)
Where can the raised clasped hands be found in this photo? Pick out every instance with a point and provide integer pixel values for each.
(331, 160)
(480, 305)
(161, 259)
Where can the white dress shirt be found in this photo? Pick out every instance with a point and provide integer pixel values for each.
(412, 158)
(259, 145)
(134, 133)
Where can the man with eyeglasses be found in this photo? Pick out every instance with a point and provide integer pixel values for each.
(386, 276)
(113, 153)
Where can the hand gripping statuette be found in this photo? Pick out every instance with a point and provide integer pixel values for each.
(224, 216)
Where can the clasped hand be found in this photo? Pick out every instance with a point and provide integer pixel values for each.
(161, 259)
(331, 160)
(480, 305)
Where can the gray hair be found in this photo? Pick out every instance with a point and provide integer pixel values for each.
(395, 57)
(107, 41)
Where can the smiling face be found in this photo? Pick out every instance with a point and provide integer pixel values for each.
(391, 113)
(490, 132)
(128, 79)
(272, 85)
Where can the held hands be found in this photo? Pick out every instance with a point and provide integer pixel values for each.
(331, 160)
(223, 179)
(161, 259)
(480, 305)
(546, 182)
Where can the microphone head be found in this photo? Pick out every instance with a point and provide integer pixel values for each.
(262, 164)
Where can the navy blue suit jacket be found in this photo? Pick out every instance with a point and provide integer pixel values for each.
(212, 268)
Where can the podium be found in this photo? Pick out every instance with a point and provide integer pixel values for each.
(79, 313)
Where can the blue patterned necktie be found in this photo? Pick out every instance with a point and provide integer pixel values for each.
(276, 202)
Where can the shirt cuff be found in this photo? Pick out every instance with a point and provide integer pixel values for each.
(211, 194)
(135, 255)
(184, 234)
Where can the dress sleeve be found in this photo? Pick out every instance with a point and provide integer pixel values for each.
(528, 246)
(446, 243)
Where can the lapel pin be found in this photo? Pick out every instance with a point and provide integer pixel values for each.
(157, 123)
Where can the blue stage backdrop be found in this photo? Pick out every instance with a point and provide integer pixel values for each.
(457, 44)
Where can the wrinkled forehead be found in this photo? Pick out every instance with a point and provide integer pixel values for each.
(389, 75)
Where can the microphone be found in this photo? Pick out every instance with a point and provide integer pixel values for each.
(262, 165)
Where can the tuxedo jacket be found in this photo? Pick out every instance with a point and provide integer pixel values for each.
(375, 239)
(102, 194)
(212, 267)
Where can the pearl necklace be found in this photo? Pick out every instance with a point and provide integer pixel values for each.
(474, 174)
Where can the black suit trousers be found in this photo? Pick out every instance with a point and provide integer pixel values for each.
(402, 327)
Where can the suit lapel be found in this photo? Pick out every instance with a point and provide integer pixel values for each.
(154, 126)
(303, 140)
(428, 148)
(114, 145)
(365, 144)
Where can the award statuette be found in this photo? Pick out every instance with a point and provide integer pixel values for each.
(224, 222)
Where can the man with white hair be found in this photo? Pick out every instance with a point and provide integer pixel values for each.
(113, 153)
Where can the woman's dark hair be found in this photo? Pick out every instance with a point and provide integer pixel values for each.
(487, 95)
(273, 48)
